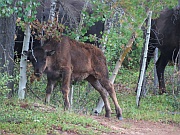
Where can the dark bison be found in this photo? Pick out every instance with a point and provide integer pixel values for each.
(19, 42)
(69, 15)
(165, 35)
(71, 60)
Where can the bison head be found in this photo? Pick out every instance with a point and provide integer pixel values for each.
(38, 57)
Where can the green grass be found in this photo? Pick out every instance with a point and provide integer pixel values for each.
(29, 117)
(161, 108)
(19, 117)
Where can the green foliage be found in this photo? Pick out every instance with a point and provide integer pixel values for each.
(158, 5)
(132, 59)
(124, 25)
(88, 20)
(7, 8)
(21, 8)
(129, 17)
(4, 80)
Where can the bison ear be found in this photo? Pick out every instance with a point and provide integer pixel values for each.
(50, 53)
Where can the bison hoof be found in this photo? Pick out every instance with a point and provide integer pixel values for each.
(120, 118)
(108, 115)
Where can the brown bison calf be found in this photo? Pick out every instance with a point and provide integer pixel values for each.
(71, 60)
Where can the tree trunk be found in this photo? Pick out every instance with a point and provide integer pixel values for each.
(81, 23)
(54, 11)
(144, 60)
(23, 62)
(178, 77)
(178, 81)
(7, 32)
(155, 71)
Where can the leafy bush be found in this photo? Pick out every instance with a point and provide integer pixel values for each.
(5, 79)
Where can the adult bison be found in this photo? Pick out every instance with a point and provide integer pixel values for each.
(70, 15)
(71, 60)
(165, 35)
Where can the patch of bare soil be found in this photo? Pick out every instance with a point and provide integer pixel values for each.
(140, 127)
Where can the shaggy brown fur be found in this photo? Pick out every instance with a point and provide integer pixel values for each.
(70, 60)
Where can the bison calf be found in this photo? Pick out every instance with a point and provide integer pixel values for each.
(71, 60)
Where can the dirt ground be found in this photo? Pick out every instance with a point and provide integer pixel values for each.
(140, 127)
(132, 127)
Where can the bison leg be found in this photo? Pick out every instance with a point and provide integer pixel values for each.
(110, 89)
(49, 88)
(95, 83)
(160, 66)
(65, 86)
